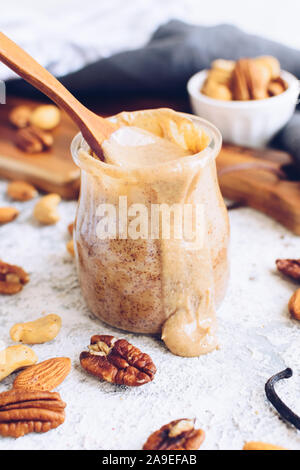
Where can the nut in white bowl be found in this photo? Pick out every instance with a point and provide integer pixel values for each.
(249, 123)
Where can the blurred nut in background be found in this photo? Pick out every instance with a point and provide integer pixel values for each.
(33, 140)
(271, 63)
(217, 91)
(20, 116)
(45, 210)
(71, 228)
(247, 79)
(222, 77)
(8, 214)
(276, 87)
(21, 191)
(45, 117)
(70, 247)
(222, 64)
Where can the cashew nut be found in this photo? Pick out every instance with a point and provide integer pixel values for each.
(45, 210)
(39, 331)
(14, 358)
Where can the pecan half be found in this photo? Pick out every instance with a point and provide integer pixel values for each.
(117, 361)
(12, 278)
(25, 411)
(289, 267)
(177, 435)
(33, 140)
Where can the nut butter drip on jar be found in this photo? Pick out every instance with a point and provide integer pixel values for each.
(154, 285)
(187, 279)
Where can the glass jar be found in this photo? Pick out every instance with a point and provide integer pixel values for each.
(153, 285)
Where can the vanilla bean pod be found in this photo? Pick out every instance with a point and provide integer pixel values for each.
(284, 411)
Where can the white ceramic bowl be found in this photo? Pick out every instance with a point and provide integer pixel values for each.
(249, 123)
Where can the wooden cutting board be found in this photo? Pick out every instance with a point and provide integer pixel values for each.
(51, 171)
(264, 189)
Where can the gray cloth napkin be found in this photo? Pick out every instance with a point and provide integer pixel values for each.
(175, 52)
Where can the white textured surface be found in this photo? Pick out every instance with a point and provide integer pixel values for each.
(224, 390)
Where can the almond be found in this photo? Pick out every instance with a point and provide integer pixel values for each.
(8, 214)
(44, 376)
(294, 305)
(70, 247)
(71, 228)
(261, 446)
(21, 191)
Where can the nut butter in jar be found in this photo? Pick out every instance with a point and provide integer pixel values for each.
(149, 277)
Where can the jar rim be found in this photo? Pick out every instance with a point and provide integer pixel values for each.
(85, 161)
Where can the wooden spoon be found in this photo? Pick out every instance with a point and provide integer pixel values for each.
(95, 129)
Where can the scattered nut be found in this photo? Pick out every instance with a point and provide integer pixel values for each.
(117, 361)
(8, 214)
(39, 331)
(289, 267)
(33, 140)
(44, 376)
(45, 117)
(177, 435)
(12, 278)
(26, 411)
(20, 116)
(70, 247)
(294, 305)
(21, 191)
(261, 446)
(45, 210)
(71, 228)
(14, 358)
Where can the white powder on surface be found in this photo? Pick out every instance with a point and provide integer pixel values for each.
(223, 390)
